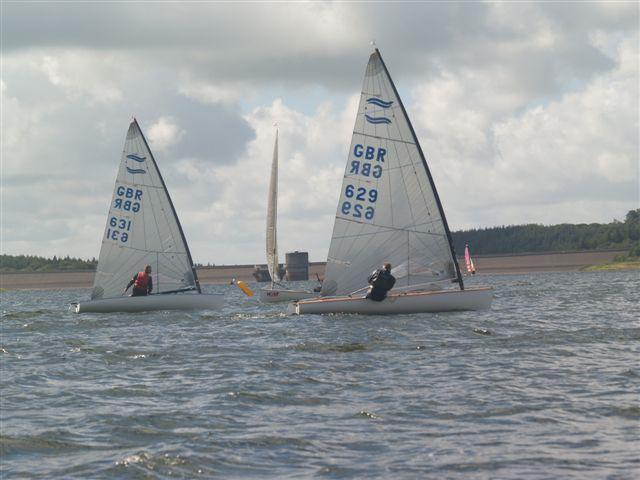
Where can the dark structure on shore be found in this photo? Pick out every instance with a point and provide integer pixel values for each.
(295, 268)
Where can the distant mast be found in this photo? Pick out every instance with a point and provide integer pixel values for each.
(272, 215)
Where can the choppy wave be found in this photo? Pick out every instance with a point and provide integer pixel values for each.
(544, 385)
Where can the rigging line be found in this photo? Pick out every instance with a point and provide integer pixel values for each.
(378, 137)
(172, 252)
(177, 264)
(434, 251)
(141, 185)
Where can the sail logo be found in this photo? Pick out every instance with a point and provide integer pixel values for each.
(376, 120)
(138, 159)
(379, 103)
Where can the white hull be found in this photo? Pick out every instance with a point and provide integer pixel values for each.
(152, 302)
(272, 295)
(413, 302)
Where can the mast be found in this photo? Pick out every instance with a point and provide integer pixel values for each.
(272, 218)
(426, 167)
(175, 215)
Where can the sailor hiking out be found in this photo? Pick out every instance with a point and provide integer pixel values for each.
(380, 282)
(142, 283)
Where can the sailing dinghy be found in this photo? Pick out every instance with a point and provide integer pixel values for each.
(143, 229)
(468, 260)
(276, 292)
(389, 210)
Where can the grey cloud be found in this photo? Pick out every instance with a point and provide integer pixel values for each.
(260, 43)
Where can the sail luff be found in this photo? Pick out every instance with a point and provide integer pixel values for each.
(173, 210)
(272, 216)
(426, 167)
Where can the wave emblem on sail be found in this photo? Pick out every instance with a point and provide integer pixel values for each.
(137, 158)
(378, 102)
(377, 120)
(135, 170)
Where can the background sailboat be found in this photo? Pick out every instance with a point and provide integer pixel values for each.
(143, 229)
(276, 292)
(389, 210)
(471, 268)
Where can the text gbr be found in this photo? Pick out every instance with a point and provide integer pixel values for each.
(128, 200)
(361, 199)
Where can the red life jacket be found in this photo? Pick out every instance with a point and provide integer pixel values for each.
(142, 280)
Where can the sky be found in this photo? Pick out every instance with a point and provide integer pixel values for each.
(526, 112)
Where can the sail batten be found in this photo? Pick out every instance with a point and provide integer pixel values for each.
(389, 209)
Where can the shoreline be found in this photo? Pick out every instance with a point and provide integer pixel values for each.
(487, 264)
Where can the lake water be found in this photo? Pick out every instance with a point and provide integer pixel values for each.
(545, 385)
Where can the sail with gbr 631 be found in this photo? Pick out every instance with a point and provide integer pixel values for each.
(143, 229)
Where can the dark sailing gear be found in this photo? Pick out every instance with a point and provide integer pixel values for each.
(381, 282)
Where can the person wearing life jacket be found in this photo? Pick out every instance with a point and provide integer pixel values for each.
(142, 283)
(380, 282)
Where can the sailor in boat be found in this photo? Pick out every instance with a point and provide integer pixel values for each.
(380, 282)
(142, 283)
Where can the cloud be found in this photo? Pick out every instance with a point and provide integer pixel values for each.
(164, 133)
(567, 151)
(526, 111)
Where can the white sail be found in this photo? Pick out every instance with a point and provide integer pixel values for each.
(272, 214)
(388, 208)
(142, 228)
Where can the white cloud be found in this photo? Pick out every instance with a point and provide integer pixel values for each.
(83, 73)
(164, 133)
(209, 93)
(500, 155)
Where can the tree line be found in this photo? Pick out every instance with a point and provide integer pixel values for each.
(483, 241)
(554, 238)
(32, 263)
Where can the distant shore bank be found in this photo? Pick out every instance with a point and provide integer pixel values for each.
(487, 264)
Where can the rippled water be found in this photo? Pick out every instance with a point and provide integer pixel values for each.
(544, 385)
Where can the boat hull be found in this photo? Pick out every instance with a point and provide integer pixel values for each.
(413, 302)
(151, 302)
(272, 295)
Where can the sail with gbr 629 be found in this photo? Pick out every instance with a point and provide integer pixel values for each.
(389, 210)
